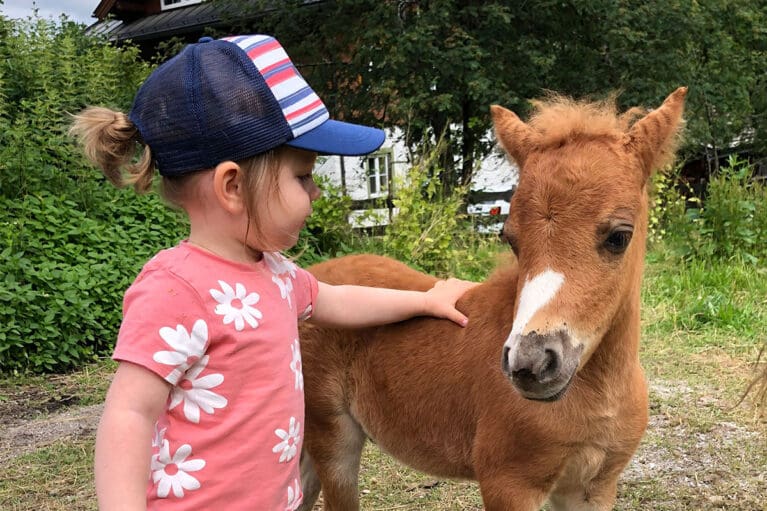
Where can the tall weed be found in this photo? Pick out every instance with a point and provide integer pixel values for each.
(47, 71)
(733, 219)
(424, 228)
(729, 223)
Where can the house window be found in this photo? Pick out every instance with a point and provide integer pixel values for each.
(378, 166)
(172, 4)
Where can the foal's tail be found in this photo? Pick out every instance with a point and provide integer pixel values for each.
(310, 482)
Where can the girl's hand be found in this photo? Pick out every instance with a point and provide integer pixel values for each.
(440, 300)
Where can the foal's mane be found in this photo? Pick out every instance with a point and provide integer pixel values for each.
(560, 119)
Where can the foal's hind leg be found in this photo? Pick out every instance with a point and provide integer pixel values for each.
(310, 482)
(335, 447)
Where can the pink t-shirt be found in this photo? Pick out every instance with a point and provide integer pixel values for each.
(225, 335)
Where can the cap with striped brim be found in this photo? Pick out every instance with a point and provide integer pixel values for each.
(234, 98)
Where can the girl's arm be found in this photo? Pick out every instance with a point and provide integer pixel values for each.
(360, 306)
(135, 400)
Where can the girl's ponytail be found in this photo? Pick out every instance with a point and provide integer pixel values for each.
(110, 140)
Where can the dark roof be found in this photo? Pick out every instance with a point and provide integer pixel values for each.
(177, 21)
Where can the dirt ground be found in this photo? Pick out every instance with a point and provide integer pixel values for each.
(684, 462)
(21, 434)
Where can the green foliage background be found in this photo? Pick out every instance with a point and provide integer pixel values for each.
(70, 244)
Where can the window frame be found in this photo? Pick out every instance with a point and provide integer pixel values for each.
(375, 175)
(177, 3)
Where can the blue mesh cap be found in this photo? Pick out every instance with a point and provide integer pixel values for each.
(232, 99)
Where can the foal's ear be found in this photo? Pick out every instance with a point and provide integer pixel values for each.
(514, 136)
(654, 137)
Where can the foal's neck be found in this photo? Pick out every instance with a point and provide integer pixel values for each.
(617, 356)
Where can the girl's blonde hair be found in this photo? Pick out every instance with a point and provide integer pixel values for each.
(111, 142)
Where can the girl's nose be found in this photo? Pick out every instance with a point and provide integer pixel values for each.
(314, 191)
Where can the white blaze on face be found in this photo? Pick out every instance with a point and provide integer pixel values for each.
(534, 296)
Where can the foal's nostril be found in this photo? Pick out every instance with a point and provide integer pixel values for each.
(524, 376)
(550, 366)
(505, 360)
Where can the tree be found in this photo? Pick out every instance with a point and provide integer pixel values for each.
(430, 68)
(433, 67)
(716, 47)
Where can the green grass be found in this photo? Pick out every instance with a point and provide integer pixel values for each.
(725, 300)
(703, 325)
(57, 477)
(28, 396)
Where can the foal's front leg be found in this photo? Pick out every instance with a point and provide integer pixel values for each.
(598, 495)
(507, 491)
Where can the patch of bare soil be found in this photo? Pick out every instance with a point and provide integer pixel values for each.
(31, 418)
(694, 456)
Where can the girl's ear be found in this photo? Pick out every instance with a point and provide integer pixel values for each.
(228, 187)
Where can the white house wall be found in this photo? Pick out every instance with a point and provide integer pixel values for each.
(495, 174)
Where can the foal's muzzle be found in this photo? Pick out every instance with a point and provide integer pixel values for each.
(541, 366)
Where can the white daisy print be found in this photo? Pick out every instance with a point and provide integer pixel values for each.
(284, 271)
(159, 435)
(294, 496)
(285, 286)
(188, 347)
(172, 473)
(290, 438)
(157, 440)
(279, 264)
(295, 365)
(236, 305)
(195, 392)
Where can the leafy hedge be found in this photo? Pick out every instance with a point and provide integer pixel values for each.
(65, 271)
(70, 243)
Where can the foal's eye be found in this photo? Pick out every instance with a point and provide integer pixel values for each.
(511, 240)
(618, 240)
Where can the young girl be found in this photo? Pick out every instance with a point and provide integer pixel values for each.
(206, 407)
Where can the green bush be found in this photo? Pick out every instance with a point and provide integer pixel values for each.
(71, 244)
(328, 232)
(65, 272)
(729, 223)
